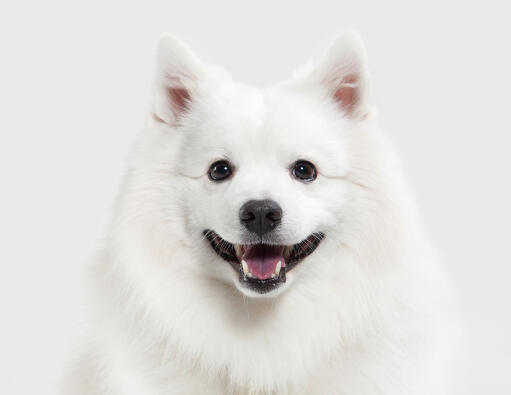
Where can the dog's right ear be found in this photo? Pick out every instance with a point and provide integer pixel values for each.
(179, 72)
(343, 73)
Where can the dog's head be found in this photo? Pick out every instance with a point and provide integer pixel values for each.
(256, 177)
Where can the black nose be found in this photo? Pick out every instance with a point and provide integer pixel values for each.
(260, 216)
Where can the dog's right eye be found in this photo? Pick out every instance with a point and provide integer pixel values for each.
(220, 171)
(304, 171)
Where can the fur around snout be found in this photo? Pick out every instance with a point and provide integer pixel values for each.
(368, 312)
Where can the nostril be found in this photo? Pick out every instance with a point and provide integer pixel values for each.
(247, 216)
(274, 216)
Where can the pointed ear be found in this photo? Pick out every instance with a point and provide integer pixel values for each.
(343, 71)
(179, 73)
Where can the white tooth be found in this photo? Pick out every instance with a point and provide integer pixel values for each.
(287, 252)
(245, 267)
(277, 268)
(237, 249)
(273, 275)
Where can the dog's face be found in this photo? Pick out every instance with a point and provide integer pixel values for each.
(260, 173)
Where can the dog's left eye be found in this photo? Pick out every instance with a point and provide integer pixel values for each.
(304, 171)
(220, 170)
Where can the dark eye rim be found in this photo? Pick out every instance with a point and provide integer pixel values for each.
(219, 162)
(308, 163)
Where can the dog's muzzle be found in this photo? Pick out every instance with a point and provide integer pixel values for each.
(262, 267)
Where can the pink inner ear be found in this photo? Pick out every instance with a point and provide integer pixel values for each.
(179, 98)
(347, 93)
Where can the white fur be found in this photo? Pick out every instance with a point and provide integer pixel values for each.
(368, 312)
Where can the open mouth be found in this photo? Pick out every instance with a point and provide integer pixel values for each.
(262, 267)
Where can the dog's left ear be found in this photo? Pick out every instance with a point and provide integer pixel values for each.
(343, 71)
(178, 78)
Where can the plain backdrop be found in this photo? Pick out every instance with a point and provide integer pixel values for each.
(74, 90)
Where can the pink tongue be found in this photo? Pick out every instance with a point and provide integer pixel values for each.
(262, 259)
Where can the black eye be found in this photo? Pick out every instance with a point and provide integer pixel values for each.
(304, 171)
(220, 170)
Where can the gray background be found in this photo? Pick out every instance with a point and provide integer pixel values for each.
(74, 88)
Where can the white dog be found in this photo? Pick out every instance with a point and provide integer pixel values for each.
(264, 242)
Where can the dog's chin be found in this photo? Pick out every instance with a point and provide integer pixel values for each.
(262, 269)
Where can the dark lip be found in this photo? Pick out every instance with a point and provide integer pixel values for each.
(299, 252)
